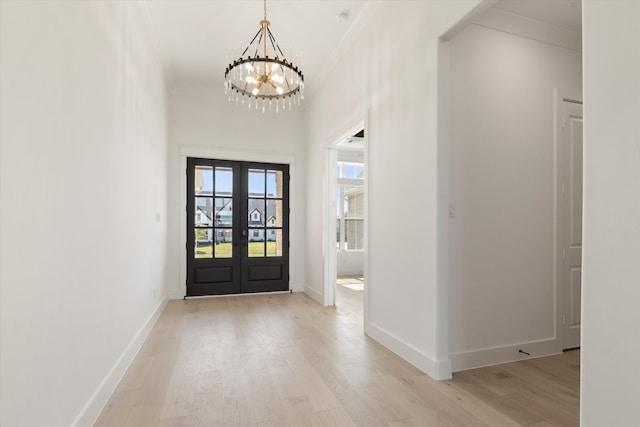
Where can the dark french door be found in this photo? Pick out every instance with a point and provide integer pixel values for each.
(237, 227)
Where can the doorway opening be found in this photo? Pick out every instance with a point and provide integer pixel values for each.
(346, 223)
(237, 227)
(569, 216)
(500, 173)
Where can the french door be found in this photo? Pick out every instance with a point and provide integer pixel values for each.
(237, 227)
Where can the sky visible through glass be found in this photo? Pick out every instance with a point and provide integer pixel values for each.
(224, 181)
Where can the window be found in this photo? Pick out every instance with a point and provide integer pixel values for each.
(350, 217)
(350, 170)
(349, 206)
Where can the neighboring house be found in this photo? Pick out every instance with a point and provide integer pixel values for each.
(271, 234)
(205, 213)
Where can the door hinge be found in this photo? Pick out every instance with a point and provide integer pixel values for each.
(564, 254)
(563, 122)
(563, 189)
(564, 322)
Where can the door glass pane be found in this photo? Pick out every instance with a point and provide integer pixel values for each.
(274, 242)
(256, 182)
(203, 180)
(223, 247)
(274, 213)
(256, 213)
(274, 184)
(256, 243)
(203, 212)
(223, 214)
(224, 181)
(203, 243)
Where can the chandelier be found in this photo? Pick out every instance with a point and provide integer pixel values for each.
(267, 81)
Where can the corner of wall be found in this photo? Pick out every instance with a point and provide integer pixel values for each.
(94, 406)
(436, 369)
(313, 294)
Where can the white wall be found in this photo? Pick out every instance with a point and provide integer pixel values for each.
(395, 64)
(610, 377)
(83, 193)
(350, 263)
(203, 123)
(501, 181)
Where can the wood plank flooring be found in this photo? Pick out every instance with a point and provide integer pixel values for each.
(284, 360)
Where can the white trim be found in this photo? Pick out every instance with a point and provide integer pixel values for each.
(98, 400)
(313, 294)
(503, 354)
(365, 208)
(439, 370)
(178, 291)
(329, 216)
(329, 243)
(560, 96)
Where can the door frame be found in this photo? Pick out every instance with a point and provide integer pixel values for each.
(242, 156)
(560, 96)
(329, 213)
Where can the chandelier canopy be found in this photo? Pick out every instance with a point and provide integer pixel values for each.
(263, 75)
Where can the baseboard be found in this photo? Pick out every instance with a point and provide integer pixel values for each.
(510, 353)
(315, 295)
(89, 414)
(439, 370)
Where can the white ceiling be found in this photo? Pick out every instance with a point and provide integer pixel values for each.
(195, 38)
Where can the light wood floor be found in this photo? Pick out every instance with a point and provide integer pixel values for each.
(284, 360)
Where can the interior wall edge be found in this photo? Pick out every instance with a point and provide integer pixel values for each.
(314, 294)
(436, 369)
(96, 403)
(508, 353)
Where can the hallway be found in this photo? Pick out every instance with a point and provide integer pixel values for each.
(284, 360)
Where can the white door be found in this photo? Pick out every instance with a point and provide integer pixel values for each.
(570, 226)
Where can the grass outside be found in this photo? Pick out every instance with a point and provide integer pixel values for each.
(225, 250)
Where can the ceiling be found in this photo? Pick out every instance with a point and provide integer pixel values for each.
(196, 38)
(561, 13)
